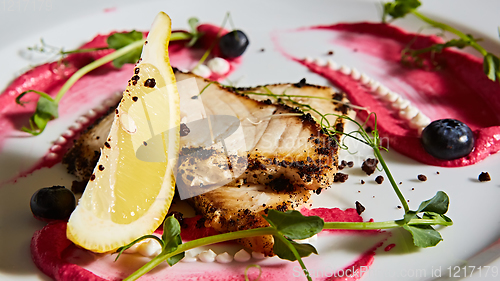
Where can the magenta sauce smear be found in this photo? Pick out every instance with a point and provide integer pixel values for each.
(458, 90)
(58, 258)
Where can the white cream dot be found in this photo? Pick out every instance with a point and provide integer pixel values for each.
(258, 255)
(82, 120)
(76, 127)
(308, 59)
(91, 113)
(420, 120)
(60, 140)
(400, 103)
(224, 258)
(55, 148)
(365, 79)
(51, 156)
(355, 74)
(149, 248)
(332, 65)
(391, 97)
(218, 66)
(382, 90)
(202, 70)
(320, 62)
(242, 256)
(68, 134)
(409, 112)
(345, 70)
(207, 256)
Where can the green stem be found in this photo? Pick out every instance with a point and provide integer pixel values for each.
(198, 243)
(457, 32)
(95, 64)
(381, 225)
(176, 36)
(376, 150)
(296, 254)
(77, 51)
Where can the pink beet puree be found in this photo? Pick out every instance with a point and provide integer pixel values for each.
(459, 90)
(58, 258)
(98, 85)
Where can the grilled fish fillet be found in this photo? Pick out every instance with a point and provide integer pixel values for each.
(280, 156)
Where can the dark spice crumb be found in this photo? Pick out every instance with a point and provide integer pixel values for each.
(408, 200)
(145, 143)
(437, 173)
(92, 177)
(101, 168)
(413, 188)
(368, 129)
(340, 177)
(135, 99)
(379, 179)
(399, 207)
(369, 166)
(301, 83)
(350, 164)
(362, 182)
(150, 83)
(194, 97)
(484, 176)
(330, 53)
(359, 191)
(106, 144)
(262, 50)
(184, 130)
(136, 70)
(359, 208)
(318, 191)
(400, 183)
(422, 177)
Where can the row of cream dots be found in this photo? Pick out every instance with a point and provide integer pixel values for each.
(406, 111)
(216, 65)
(151, 248)
(80, 122)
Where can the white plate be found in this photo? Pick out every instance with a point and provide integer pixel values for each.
(474, 206)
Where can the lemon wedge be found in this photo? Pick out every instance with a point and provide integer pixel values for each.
(133, 183)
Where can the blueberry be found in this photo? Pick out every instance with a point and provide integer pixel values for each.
(53, 203)
(233, 44)
(447, 139)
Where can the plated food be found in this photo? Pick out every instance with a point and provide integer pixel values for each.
(365, 203)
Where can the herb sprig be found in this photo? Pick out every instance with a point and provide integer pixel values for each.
(401, 8)
(285, 227)
(128, 49)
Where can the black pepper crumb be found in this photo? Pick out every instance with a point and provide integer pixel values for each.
(399, 207)
(318, 191)
(330, 53)
(484, 176)
(369, 166)
(135, 99)
(150, 83)
(92, 177)
(359, 208)
(301, 83)
(413, 188)
(350, 164)
(262, 50)
(145, 143)
(340, 177)
(379, 179)
(136, 70)
(101, 168)
(437, 173)
(422, 177)
(194, 97)
(362, 182)
(400, 182)
(184, 130)
(106, 144)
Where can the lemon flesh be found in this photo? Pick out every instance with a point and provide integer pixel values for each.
(133, 183)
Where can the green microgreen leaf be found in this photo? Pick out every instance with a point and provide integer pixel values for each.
(119, 40)
(193, 25)
(284, 252)
(293, 224)
(423, 235)
(437, 204)
(399, 8)
(172, 239)
(46, 110)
